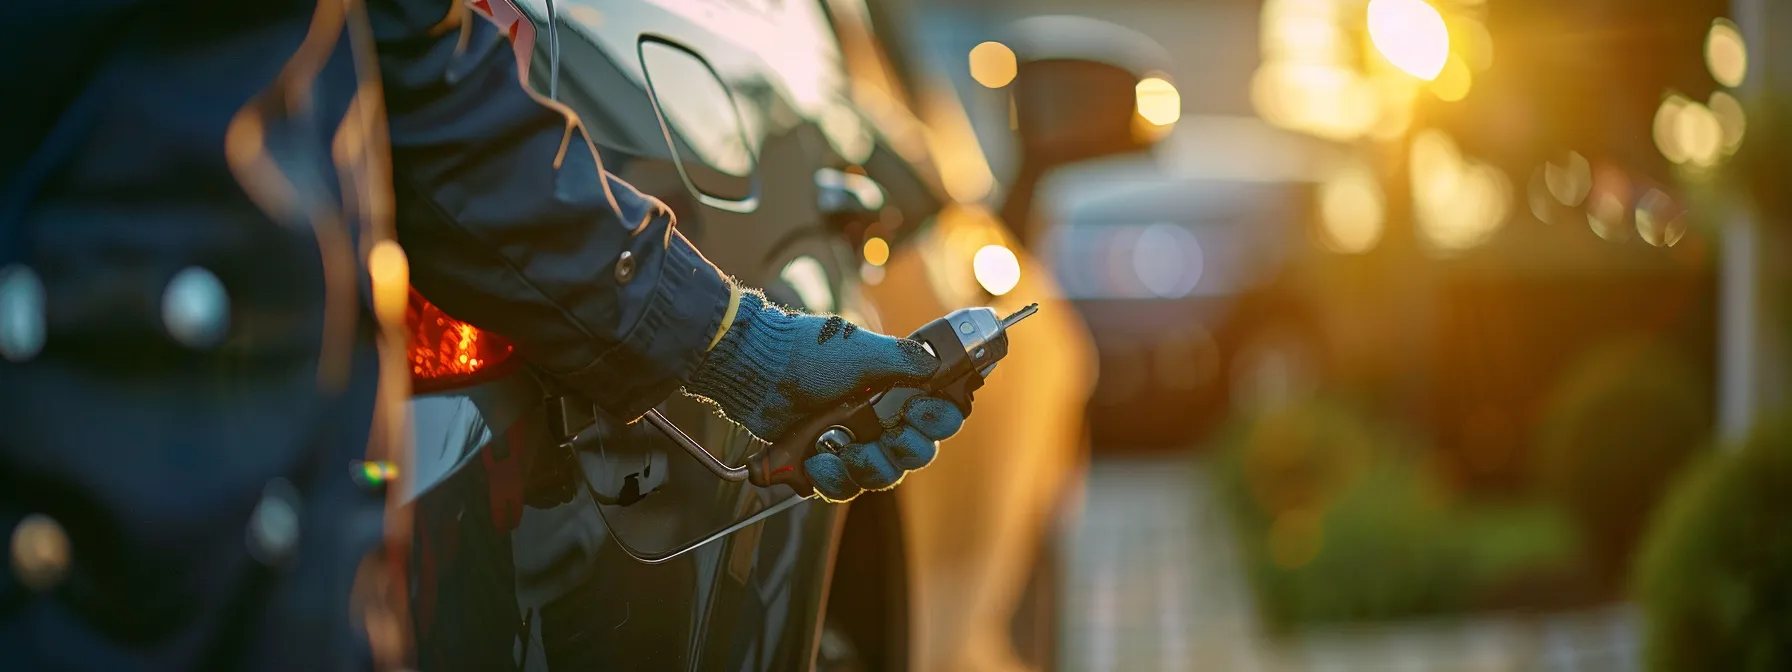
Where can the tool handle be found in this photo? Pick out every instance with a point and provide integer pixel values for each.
(782, 461)
(860, 422)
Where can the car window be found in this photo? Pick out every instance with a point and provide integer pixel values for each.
(697, 108)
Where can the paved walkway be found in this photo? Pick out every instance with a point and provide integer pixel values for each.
(1154, 585)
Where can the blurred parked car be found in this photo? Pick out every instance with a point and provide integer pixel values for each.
(794, 165)
(1218, 281)
(1184, 261)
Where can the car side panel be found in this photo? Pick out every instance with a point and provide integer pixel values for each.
(551, 588)
(495, 587)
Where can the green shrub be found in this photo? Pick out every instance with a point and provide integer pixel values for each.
(1714, 578)
(1617, 428)
(1337, 522)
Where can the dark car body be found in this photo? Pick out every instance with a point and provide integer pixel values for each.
(727, 111)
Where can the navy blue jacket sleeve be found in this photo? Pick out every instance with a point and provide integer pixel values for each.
(511, 223)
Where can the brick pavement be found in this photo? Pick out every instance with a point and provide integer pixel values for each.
(1153, 584)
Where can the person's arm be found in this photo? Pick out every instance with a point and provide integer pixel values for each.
(511, 223)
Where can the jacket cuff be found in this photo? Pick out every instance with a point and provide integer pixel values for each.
(672, 337)
(742, 369)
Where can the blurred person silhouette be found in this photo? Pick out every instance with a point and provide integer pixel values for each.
(197, 225)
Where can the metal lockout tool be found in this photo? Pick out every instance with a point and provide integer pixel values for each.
(968, 342)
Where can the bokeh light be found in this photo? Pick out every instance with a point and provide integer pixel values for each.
(1458, 202)
(1313, 78)
(996, 268)
(1666, 129)
(1659, 221)
(373, 473)
(871, 275)
(1411, 35)
(993, 64)
(1690, 133)
(1608, 205)
(877, 251)
(1351, 211)
(1435, 162)
(1607, 215)
(1699, 134)
(1569, 182)
(1167, 260)
(1158, 101)
(1730, 118)
(390, 273)
(1725, 54)
(1538, 196)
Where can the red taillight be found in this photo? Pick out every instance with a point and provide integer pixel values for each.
(446, 353)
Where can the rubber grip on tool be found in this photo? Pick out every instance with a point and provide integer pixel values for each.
(781, 463)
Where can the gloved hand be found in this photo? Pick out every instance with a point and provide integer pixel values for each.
(774, 367)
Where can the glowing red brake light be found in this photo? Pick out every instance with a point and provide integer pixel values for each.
(446, 353)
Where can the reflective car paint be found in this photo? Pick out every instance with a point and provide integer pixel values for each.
(971, 540)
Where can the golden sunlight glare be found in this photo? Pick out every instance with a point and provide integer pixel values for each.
(1453, 82)
(1471, 39)
(1411, 35)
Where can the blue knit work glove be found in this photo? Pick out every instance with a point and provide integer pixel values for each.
(773, 368)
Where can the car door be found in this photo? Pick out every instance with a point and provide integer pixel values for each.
(728, 111)
(664, 565)
(694, 115)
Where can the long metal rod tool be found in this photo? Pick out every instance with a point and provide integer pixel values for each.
(704, 457)
(737, 474)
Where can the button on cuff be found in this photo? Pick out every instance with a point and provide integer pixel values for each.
(625, 267)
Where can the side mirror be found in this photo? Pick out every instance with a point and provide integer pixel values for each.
(1079, 93)
(1068, 110)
